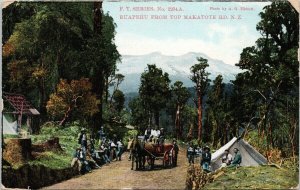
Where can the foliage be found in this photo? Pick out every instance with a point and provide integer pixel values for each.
(189, 121)
(67, 139)
(49, 41)
(40, 47)
(9, 136)
(218, 122)
(266, 94)
(139, 115)
(119, 100)
(75, 97)
(154, 91)
(52, 160)
(129, 135)
(180, 96)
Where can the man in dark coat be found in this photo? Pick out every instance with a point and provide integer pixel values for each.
(237, 160)
(176, 150)
(190, 153)
(206, 158)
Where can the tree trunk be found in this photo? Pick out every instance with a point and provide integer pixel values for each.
(99, 77)
(177, 123)
(98, 82)
(199, 117)
(156, 118)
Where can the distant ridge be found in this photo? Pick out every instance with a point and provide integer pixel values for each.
(178, 67)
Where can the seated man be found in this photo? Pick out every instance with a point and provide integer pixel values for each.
(226, 158)
(237, 158)
(206, 158)
(154, 135)
(84, 163)
(147, 133)
(104, 153)
(76, 157)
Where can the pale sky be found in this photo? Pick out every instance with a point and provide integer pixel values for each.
(219, 39)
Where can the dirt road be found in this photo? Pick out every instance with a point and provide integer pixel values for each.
(118, 175)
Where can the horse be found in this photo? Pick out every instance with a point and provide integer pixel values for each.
(138, 154)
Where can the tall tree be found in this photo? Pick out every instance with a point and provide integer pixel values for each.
(154, 91)
(101, 56)
(271, 75)
(139, 114)
(218, 112)
(119, 100)
(200, 78)
(43, 43)
(180, 95)
(54, 41)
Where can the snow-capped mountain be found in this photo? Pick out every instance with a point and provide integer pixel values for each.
(178, 68)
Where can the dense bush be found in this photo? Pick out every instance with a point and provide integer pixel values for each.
(129, 135)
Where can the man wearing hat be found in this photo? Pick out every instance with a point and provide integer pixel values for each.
(237, 158)
(176, 150)
(206, 158)
(190, 153)
(82, 139)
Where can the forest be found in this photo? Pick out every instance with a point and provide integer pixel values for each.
(63, 58)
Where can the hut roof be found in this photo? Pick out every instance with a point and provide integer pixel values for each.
(20, 104)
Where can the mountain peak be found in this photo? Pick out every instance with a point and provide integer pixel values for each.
(178, 68)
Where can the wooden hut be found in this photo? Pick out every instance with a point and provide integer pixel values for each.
(21, 109)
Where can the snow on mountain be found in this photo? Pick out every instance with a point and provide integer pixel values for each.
(178, 68)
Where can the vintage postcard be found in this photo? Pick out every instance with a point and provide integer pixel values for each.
(150, 94)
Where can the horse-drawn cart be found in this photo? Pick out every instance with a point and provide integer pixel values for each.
(142, 151)
(162, 152)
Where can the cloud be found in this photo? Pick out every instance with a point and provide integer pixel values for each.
(224, 43)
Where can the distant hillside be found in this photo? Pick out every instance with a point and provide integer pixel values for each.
(178, 68)
(129, 96)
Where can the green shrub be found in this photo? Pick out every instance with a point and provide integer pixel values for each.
(67, 138)
(129, 135)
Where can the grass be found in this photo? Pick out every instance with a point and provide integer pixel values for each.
(262, 177)
(52, 160)
(9, 136)
(68, 140)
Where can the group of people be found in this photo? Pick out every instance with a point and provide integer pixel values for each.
(205, 157)
(229, 160)
(155, 136)
(90, 156)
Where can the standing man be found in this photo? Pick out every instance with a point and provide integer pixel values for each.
(190, 153)
(206, 158)
(119, 149)
(176, 150)
(82, 140)
(101, 133)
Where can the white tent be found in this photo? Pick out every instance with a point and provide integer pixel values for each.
(9, 127)
(250, 156)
